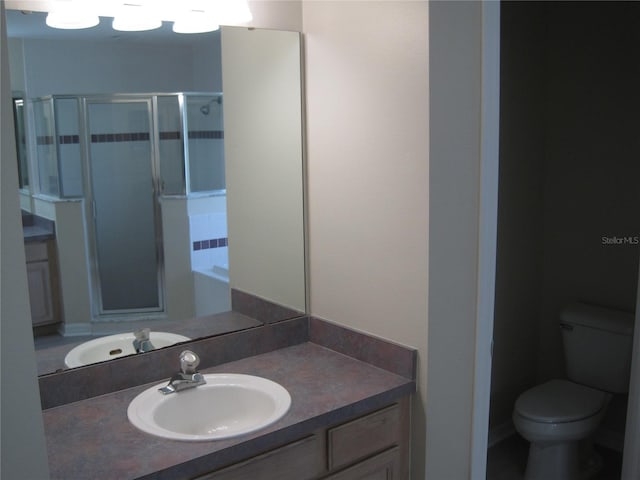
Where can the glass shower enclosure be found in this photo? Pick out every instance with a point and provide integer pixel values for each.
(121, 154)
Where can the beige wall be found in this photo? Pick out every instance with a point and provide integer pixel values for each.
(277, 14)
(264, 176)
(367, 146)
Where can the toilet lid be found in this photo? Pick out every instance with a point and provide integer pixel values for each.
(558, 401)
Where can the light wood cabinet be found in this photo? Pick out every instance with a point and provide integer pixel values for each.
(384, 466)
(40, 279)
(301, 460)
(374, 446)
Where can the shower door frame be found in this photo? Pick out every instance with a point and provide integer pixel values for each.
(98, 311)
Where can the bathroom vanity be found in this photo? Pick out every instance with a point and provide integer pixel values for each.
(371, 446)
(349, 416)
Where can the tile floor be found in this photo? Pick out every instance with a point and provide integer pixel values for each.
(507, 461)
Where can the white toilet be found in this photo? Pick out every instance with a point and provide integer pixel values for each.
(558, 414)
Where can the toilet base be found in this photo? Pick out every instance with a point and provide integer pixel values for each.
(562, 461)
(558, 461)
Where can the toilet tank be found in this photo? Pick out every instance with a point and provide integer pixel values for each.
(597, 346)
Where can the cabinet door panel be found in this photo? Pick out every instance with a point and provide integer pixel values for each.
(39, 280)
(381, 467)
(301, 460)
(364, 437)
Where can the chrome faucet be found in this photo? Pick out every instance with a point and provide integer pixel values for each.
(142, 343)
(188, 377)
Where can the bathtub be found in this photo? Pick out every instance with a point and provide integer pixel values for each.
(211, 290)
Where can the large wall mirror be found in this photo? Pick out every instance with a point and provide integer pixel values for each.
(217, 118)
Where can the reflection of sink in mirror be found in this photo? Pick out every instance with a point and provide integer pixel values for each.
(114, 346)
(211, 290)
(228, 405)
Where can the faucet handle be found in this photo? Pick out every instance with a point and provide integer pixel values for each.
(143, 334)
(188, 362)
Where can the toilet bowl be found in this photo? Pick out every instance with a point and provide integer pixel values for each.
(555, 417)
(559, 417)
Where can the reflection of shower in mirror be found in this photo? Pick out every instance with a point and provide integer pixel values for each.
(204, 109)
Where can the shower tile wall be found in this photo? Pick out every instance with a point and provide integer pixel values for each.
(206, 144)
(69, 153)
(208, 240)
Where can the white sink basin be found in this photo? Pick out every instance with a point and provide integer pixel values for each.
(228, 405)
(114, 346)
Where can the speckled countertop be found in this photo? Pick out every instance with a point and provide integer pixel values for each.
(93, 438)
(36, 233)
(37, 229)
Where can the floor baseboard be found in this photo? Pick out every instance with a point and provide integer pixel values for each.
(500, 432)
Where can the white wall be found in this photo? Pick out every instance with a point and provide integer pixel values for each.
(276, 14)
(73, 265)
(366, 67)
(23, 453)
(62, 66)
(176, 243)
(16, 62)
(455, 55)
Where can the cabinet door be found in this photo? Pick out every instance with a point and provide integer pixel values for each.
(363, 437)
(39, 280)
(384, 466)
(301, 460)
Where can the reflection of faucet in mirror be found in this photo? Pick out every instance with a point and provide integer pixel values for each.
(142, 343)
(195, 70)
(188, 377)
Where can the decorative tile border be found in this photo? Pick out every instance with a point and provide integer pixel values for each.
(120, 137)
(170, 135)
(68, 139)
(129, 137)
(44, 140)
(206, 134)
(212, 243)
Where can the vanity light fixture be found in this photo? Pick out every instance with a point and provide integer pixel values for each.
(196, 21)
(188, 16)
(71, 15)
(136, 18)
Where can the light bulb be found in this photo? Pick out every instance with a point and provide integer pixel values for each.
(71, 15)
(135, 18)
(196, 21)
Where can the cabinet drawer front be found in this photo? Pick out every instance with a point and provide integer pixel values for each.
(301, 460)
(363, 437)
(381, 467)
(35, 251)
